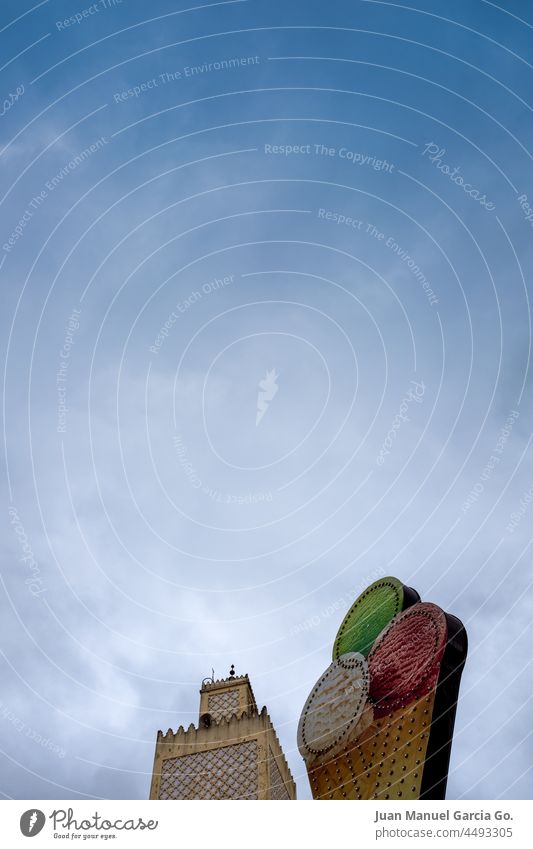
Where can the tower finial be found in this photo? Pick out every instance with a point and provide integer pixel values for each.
(209, 680)
(232, 671)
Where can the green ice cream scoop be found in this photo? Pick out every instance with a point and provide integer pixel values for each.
(370, 614)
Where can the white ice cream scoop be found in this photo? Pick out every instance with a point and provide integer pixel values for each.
(335, 707)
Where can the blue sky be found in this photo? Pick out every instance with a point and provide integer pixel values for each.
(192, 198)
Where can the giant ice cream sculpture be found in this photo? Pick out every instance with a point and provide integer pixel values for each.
(378, 724)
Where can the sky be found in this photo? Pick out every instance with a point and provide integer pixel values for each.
(266, 336)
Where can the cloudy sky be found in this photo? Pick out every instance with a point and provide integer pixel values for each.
(266, 333)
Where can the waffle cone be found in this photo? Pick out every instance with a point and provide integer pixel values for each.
(385, 761)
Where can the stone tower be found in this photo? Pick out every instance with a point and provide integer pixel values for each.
(233, 754)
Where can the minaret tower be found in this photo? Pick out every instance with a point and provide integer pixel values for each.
(233, 754)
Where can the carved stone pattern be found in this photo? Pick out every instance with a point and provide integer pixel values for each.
(223, 705)
(229, 772)
(277, 786)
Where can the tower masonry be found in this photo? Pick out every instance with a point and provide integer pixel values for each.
(233, 754)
